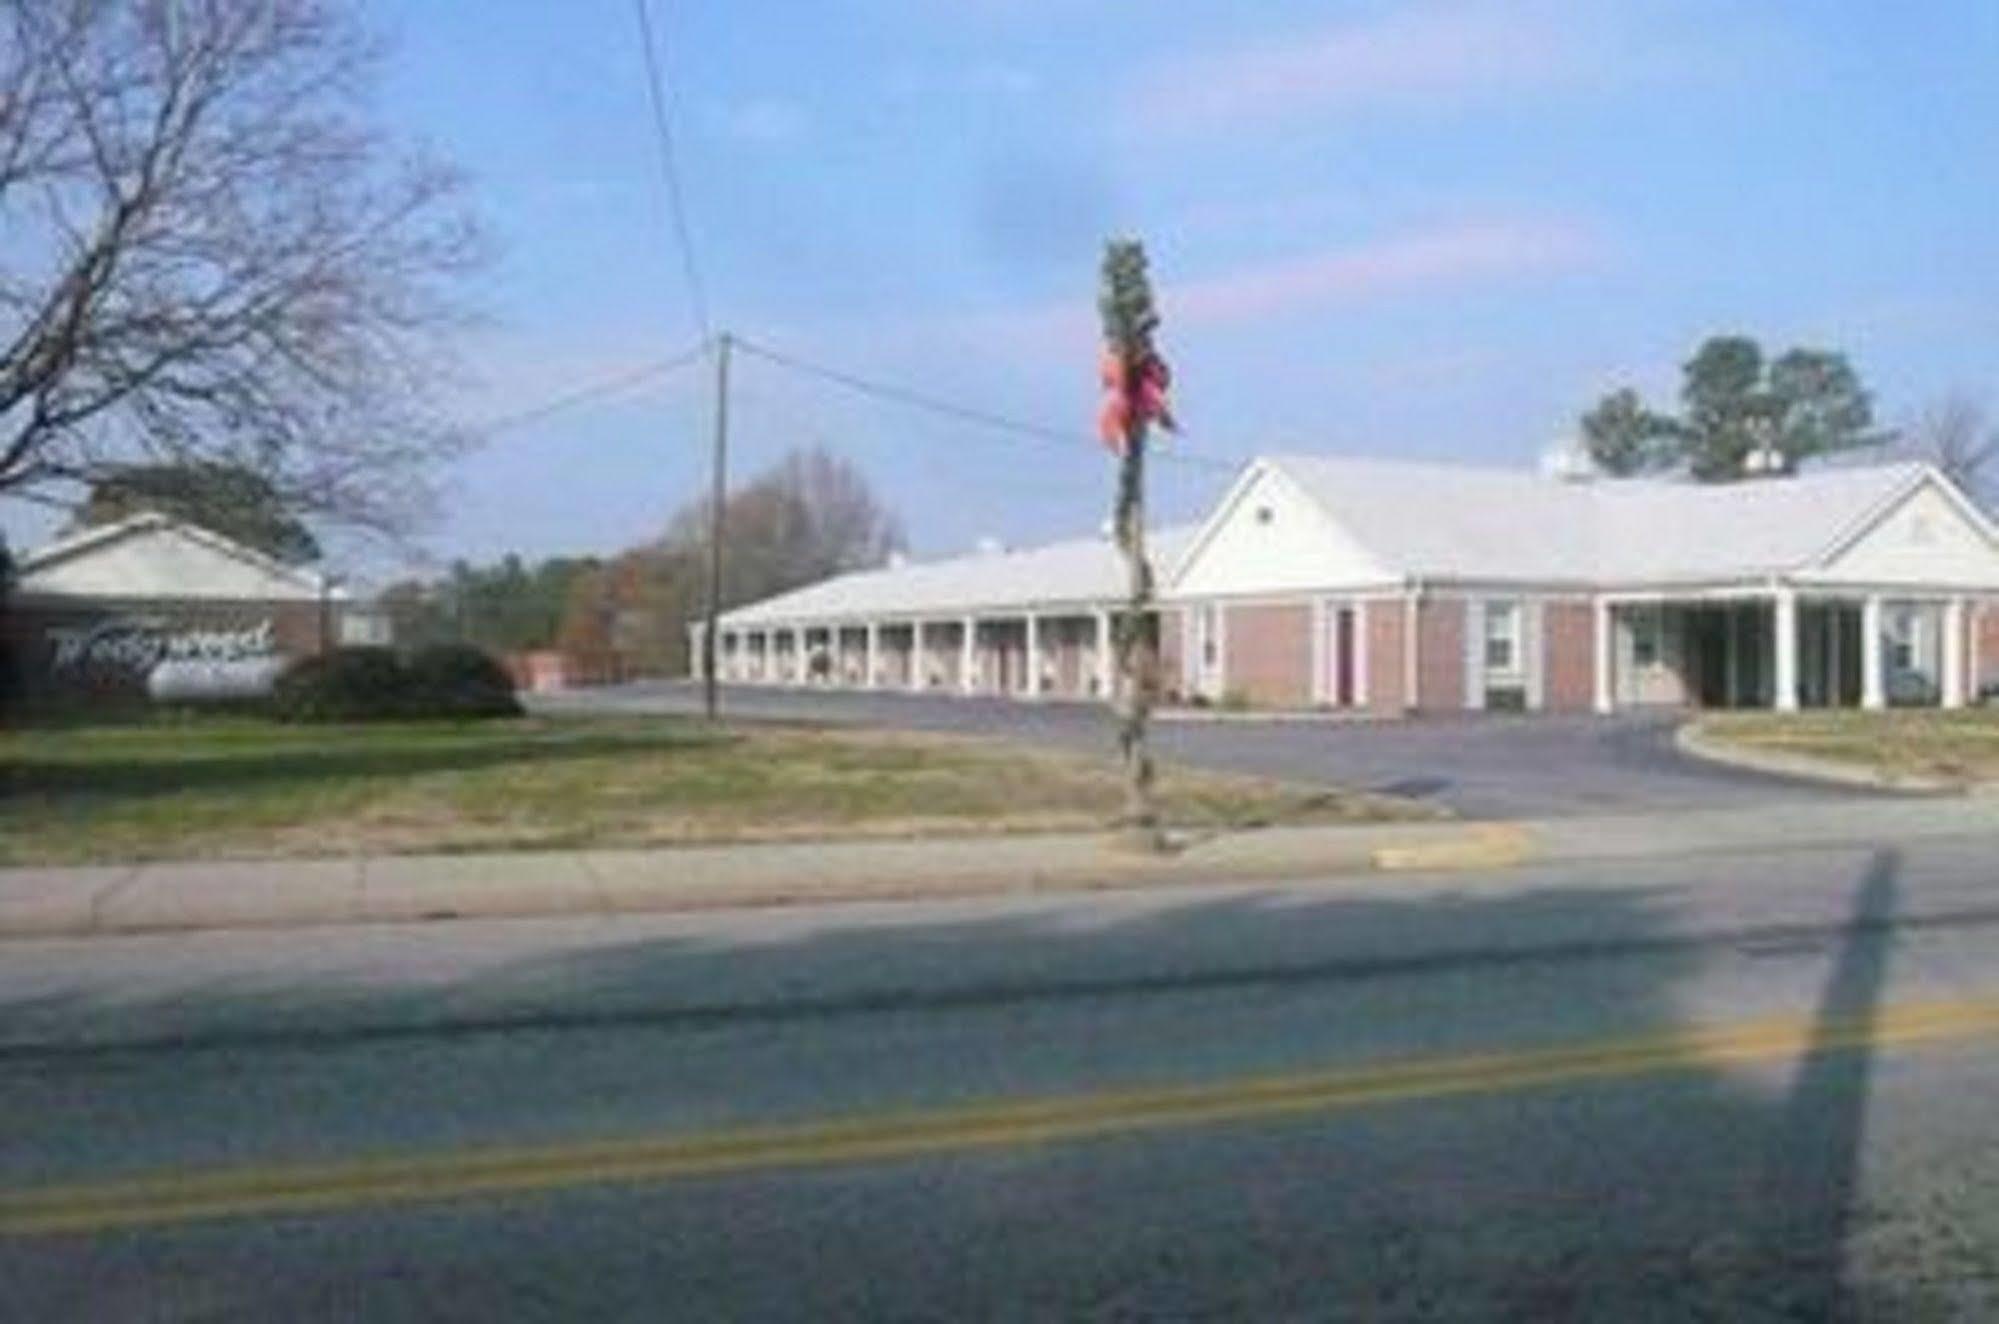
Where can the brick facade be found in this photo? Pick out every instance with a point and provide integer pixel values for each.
(1172, 651)
(1387, 668)
(1568, 655)
(1440, 655)
(1984, 668)
(1268, 653)
(118, 665)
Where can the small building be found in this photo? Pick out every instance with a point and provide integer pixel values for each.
(156, 605)
(1390, 588)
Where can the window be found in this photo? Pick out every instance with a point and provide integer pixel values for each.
(1502, 636)
(1646, 629)
(1901, 634)
(1210, 636)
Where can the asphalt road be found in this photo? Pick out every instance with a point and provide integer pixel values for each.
(1754, 1088)
(1481, 766)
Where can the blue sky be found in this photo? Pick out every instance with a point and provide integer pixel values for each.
(1431, 229)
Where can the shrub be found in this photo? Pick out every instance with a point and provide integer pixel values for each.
(345, 685)
(445, 681)
(459, 680)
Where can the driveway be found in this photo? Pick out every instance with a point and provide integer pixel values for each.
(1482, 766)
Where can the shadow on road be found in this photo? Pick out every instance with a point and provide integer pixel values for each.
(1702, 1193)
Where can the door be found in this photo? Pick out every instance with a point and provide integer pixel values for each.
(1208, 650)
(1345, 642)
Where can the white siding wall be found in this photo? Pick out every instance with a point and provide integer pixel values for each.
(1925, 541)
(1274, 539)
(161, 563)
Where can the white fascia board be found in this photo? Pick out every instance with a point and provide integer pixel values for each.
(1213, 523)
(1927, 475)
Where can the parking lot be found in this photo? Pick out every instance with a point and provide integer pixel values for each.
(1484, 766)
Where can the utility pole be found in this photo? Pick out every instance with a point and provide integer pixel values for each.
(1135, 380)
(710, 648)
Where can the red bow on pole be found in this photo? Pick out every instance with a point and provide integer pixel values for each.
(1134, 395)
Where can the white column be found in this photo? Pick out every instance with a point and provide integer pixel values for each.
(968, 655)
(919, 668)
(874, 654)
(1360, 651)
(1873, 687)
(1953, 653)
(1033, 656)
(1105, 669)
(1786, 672)
(1606, 659)
(799, 673)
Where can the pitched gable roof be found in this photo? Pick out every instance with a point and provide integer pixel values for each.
(1451, 522)
(63, 567)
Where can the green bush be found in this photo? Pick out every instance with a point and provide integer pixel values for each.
(345, 685)
(459, 680)
(442, 682)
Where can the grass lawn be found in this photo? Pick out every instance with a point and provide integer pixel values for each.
(219, 787)
(1962, 744)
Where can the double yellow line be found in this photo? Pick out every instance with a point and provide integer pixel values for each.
(318, 1188)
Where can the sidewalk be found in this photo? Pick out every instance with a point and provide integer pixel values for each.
(389, 889)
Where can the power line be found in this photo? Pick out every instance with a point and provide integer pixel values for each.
(610, 386)
(662, 129)
(951, 409)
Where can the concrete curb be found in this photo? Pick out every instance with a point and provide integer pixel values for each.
(1696, 743)
(238, 894)
(241, 894)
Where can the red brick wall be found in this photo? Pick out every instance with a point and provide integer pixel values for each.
(1440, 654)
(1568, 655)
(295, 632)
(1061, 641)
(1387, 671)
(1172, 651)
(1269, 653)
(1985, 665)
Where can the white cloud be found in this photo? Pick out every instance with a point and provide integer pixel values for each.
(1437, 53)
(1425, 259)
(762, 121)
(987, 78)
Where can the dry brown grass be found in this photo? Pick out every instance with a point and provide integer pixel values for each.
(242, 788)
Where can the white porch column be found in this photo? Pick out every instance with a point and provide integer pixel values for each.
(1786, 630)
(919, 667)
(1605, 659)
(968, 656)
(1033, 656)
(799, 672)
(1873, 686)
(1103, 660)
(1953, 654)
(874, 653)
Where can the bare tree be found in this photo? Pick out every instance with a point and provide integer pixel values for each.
(1956, 436)
(808, 517)
(209, 256)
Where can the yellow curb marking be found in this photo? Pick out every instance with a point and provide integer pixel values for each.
(1493, 847)
(314, 1188)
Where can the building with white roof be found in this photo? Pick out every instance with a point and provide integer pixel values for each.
(1391, 587)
